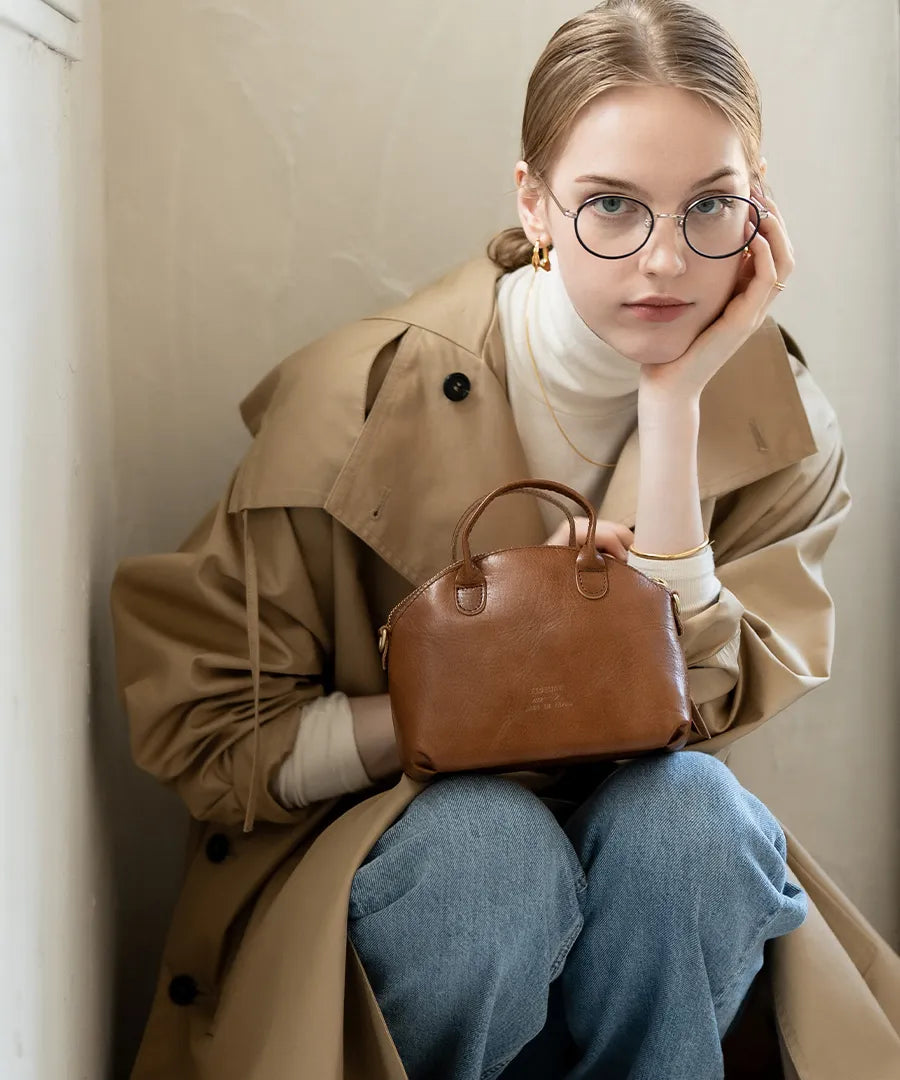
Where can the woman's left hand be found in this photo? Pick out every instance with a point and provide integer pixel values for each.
(609, 536)
(773, 260)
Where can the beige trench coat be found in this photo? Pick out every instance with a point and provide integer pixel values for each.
(347, 498)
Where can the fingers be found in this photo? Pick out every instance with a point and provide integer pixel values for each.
(612, 545)
(772, 207)
(773, 253)
(772, 228)
(772, 261)
(624, 535)
(610, 536)
(782, 232)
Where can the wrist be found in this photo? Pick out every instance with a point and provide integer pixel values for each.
(669, 425)
(659, 401)
(373, 731)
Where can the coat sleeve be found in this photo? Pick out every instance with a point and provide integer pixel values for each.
(207, 716)
(769, 638)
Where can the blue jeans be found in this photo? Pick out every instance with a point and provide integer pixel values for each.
(647, 908)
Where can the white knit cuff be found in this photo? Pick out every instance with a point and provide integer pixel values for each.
(693, 578)
(324, 761)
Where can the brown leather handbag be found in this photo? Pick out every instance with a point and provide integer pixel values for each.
(534, 656)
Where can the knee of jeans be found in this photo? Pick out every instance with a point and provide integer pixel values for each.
(495, 817)
(688, 804)
(486, 832)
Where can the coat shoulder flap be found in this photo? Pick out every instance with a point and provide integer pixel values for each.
(307, 413)
(305, 416)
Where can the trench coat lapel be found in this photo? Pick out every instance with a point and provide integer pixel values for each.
(423, 460)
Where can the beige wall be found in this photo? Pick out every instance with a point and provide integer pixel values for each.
(829, 78)
(276, 169)
(56, 494)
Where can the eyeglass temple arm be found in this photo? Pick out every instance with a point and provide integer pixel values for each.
(562, 209)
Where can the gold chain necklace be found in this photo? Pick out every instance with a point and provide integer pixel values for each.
(599, 464)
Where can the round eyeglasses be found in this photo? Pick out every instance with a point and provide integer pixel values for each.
(616, 226)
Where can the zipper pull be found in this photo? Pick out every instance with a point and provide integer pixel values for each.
(676, 611)
(383, 645)
(676, 604)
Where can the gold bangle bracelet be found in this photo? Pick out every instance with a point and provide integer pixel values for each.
(679, 555)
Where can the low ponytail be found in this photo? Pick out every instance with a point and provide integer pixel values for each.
(510, 249)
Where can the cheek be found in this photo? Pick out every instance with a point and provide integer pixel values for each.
(593, 285)
(720, 279)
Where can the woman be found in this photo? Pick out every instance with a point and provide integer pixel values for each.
(326, 928)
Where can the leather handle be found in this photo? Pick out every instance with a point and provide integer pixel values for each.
(470, 581)
(523, 491)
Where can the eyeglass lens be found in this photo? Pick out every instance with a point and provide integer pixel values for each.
(614, 225)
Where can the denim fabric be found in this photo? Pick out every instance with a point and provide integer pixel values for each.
(646, 908)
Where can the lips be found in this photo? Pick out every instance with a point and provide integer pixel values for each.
(656, 312)
(658, 301)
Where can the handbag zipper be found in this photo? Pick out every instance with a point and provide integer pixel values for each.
(384, 631)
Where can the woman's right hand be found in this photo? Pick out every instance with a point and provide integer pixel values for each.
(611, 537)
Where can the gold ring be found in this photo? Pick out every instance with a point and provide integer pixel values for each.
(780, 286)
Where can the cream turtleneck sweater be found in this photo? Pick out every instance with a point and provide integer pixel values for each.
(593, 390)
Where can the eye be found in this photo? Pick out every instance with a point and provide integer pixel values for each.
(612, 205)
(714, 206)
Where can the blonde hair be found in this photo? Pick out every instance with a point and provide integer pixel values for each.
(624, 43)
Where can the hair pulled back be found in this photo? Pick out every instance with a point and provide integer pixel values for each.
(624, 43)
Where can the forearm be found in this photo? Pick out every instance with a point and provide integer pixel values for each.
(343, 744)
(668, 518)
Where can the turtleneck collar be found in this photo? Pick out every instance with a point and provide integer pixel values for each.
(582, 374)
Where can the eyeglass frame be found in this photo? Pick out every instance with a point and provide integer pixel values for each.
(761, 211)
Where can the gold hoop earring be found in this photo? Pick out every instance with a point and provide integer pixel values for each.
(746, 253)
(540, 256)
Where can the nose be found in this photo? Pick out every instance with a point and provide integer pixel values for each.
(664, 252)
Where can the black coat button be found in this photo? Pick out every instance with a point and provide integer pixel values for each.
(183, 990)
(457, 386)
(218, 847)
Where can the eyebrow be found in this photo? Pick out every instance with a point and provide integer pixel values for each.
(626, 185)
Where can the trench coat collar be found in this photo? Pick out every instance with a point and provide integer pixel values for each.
(395, 480)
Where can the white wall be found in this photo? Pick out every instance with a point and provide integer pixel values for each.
(55, 489)
(276, 169)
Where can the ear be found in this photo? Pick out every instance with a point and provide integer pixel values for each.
(531, 204)
(761, 169)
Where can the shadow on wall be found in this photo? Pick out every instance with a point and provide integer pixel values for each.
(145, 826)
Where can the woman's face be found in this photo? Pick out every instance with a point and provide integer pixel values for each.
(659, 142)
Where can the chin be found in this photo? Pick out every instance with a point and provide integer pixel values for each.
(660, 345)
(652, 348)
